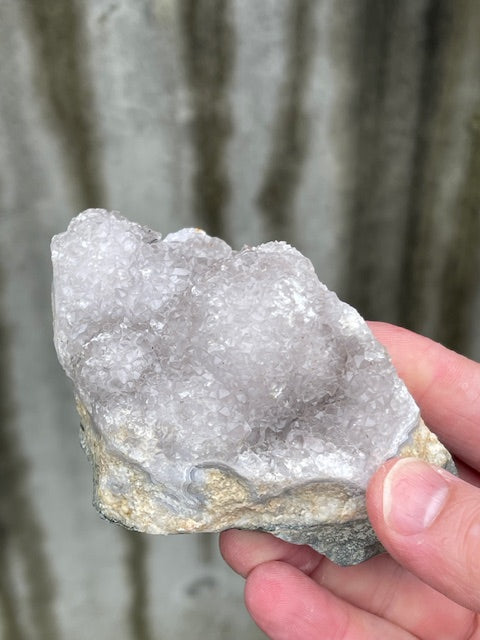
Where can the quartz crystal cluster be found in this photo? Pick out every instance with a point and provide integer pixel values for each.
(221, 388)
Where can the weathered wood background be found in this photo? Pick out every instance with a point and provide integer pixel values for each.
(349, 127)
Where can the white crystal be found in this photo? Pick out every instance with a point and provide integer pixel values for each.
(187, 355)
(241, 358)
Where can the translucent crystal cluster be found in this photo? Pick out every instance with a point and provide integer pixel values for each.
(187, 355)
(212, 355)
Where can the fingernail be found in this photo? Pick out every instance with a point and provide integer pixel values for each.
(413, 496)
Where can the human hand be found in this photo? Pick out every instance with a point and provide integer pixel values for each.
(428, 586)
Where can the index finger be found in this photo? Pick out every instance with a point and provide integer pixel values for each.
(445, 385)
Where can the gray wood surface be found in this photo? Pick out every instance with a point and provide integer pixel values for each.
(350, 128)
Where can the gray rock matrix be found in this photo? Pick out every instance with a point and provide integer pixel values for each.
(221, 388)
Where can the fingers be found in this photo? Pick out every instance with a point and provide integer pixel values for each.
(287, 605)
(379, 586)
(244, 550)
(429, 521)
(445, 385)
(384, 588)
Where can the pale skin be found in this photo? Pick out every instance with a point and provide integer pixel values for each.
(428, 585)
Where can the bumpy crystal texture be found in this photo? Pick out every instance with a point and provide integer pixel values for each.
(212, 382)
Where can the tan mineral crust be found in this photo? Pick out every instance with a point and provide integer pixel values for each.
(225, 389)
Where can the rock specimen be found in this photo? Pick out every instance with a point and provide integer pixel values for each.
(221, 388)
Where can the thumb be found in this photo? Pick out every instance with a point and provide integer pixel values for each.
(429, 521)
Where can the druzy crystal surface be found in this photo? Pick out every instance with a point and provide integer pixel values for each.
(223, 388)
